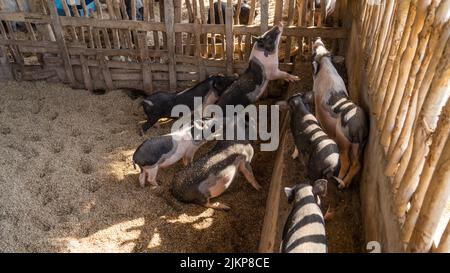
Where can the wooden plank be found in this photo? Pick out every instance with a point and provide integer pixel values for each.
(229, 37)
(85, 73)
(105, 71)
(146, 65)
(169, 21)
(61, 43)
(270, 223)
(264, 15)
(5, 65)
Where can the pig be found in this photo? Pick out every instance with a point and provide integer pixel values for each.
(164, 151)
(212, 174)
(262, 68)
(342, 120)
(244, 14)
(304, 230)
(320, 151)
(160, 104)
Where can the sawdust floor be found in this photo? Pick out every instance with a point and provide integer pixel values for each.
(67, 183)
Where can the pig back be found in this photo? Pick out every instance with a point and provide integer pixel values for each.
(304, 231)
(151, 151)
(223, 154)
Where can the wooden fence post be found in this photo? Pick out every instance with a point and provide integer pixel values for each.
(59, 35)
(170, 34)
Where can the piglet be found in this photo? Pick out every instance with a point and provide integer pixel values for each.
(304, 231)
(213, 173)
(342, 119)
(164, 151)
(319, 151)
(159, 105)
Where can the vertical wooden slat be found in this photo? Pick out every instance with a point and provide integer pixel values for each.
(229, 36)
(198, 50)
(61, 43)
(178, 35)
(115, 32)
(146, 65)
(5, 65)
(264, 15)
(290, 21)
(248, 38)
(213, 20)
(169, 21)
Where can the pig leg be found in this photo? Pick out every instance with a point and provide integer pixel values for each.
(151, 175)
(295, 153)
(345, 165)
(217, 206)
(246, 170)
(189, 156)
(282, 75)
(355, 165)
(142, 178)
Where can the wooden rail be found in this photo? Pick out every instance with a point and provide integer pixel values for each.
(160, 52)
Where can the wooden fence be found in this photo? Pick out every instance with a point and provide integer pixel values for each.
(171, 48)
(403, 76)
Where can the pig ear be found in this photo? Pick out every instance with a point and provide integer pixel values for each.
(308, 97)
(289, 194)
(320, 187)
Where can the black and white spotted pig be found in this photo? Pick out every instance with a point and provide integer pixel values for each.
(213, 173)
(319, 151)
(159, 105)
(164, 151)
(304, 230)
(343, 120)
(262, 68)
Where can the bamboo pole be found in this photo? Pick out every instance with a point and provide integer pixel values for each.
(409, 96)
(400, 22)
(392, 81)
(444, 244)
(426, 124)
(380, 64)
(435, 202)
(407, 68)
(380, 43)
(438, 40)
(373, 31)
(439, 139)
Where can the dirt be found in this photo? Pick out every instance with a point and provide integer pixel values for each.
(67, 183)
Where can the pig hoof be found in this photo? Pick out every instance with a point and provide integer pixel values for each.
(291, 78)
(257, 187)
(219, 206)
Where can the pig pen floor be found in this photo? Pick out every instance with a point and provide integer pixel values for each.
(344, 230)
(67, 183)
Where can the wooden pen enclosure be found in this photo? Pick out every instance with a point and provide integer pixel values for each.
(396, 54)
(169, 49)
